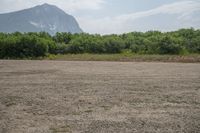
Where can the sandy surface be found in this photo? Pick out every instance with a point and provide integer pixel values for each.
(99, 97)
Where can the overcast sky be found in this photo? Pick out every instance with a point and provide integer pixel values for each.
(119, 16)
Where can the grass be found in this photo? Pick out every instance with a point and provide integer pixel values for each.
(126, 57)
(63, 129)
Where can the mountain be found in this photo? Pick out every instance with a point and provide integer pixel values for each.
(48, 18)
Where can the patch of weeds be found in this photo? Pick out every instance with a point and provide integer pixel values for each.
(76, 113)
(10, 100)
(89, 111)
(105, 107)
(63, 129)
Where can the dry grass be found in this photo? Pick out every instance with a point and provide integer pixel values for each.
(126, 57)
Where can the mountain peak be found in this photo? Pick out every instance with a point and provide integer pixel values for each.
(43, 17)
(46, 5)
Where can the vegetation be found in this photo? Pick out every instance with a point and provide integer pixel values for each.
(191, 58)
(25, 45)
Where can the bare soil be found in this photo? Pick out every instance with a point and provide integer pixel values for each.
(99, 97)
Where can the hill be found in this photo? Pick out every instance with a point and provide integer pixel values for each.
(48, 18)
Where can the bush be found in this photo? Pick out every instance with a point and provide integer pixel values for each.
(113, 45)
(25, 45)
(169, 45)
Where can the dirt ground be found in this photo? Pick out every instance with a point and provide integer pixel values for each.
(99, 97)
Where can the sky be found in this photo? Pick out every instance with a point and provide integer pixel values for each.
(121, 16)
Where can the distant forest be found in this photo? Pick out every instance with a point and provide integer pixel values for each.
(23, 45)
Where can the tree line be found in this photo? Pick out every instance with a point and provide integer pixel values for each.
(23, 45)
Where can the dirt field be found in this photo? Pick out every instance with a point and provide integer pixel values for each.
(99, 97)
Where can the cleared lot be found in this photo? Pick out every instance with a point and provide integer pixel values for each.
(99, 97)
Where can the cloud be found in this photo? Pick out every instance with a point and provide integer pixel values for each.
(183, 13)
(184, 7)
(127, 22)
(67, 5)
